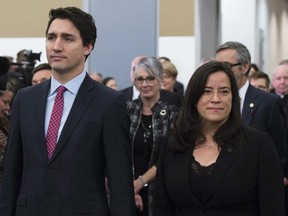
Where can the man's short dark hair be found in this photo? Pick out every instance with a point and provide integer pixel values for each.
(83, 21)
(44, 66)
(258, 75)
(283, 62)
(243, 53)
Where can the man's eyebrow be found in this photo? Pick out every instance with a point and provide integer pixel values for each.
(62, 34)
(67, 35)
(51, 34)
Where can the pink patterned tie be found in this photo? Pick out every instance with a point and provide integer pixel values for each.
(55, 119)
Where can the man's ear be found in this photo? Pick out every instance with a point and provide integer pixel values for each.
(88, 49)
(245, 69)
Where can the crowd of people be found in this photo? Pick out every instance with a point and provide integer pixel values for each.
(74, 144)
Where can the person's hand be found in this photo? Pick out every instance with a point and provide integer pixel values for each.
(107, 185)
(285, 181)
(139, 202)
(138, 185)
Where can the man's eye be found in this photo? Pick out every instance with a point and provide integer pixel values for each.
(50, 38)
(68, 39)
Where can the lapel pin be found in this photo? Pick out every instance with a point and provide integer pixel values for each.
(251, 105)
(163, 112)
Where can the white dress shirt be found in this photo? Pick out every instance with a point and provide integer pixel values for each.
(135, 93)
(242, 94)
(69, 96)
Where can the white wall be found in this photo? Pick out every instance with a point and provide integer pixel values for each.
(238, 21)
(11, 46)
(181, 51)
(262, 35)
(278, 33)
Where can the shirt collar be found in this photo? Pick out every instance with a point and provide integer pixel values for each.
(135, 93)
(72, 85)
(243, 90)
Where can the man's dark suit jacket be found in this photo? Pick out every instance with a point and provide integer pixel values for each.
(169, 97)
(179, 88)
(94, 143)
(262, 110)
(249, 183)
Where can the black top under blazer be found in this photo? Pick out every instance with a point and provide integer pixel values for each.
(242, 184)
(94, 143)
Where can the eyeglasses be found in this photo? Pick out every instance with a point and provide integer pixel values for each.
(149, 80)
(233, 65)
(166, 76)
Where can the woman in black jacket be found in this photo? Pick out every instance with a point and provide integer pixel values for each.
(211, 164)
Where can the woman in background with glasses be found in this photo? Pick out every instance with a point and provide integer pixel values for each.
(150, 120)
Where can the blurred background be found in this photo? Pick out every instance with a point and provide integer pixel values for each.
(185, 31)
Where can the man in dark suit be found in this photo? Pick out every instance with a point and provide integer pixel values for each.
(260, 109)
(70, 180)
(280, 87)
(132, 93)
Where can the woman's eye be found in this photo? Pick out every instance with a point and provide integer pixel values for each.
(206, 91)
(224, 92)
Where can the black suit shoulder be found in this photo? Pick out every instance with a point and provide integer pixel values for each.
(128, 93)
(170, 98)
(265, 96)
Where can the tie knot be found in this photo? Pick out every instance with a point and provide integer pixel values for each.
(61, 89)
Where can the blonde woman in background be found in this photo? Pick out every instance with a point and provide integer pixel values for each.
(169, 75)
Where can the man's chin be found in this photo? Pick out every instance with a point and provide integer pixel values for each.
(59, 70)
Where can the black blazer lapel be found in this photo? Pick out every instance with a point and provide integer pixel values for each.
(182, 168)
(249, 106)
(82, 100)
(128, 93)
(222, 166)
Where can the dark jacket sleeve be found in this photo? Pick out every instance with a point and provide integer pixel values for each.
(277, 130)
(117, 146)
(270, 185)
(163, 205)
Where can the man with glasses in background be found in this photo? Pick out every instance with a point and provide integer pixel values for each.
(260, 110)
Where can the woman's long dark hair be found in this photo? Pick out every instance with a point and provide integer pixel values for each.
(187, 128)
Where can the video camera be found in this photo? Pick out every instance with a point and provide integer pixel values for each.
(31, 57)
(21, 76)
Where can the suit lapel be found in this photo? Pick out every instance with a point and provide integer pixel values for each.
(39, 112)
(182, 167)
(249, 106)
(222, 166)
(130, 93)
(82, 100)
